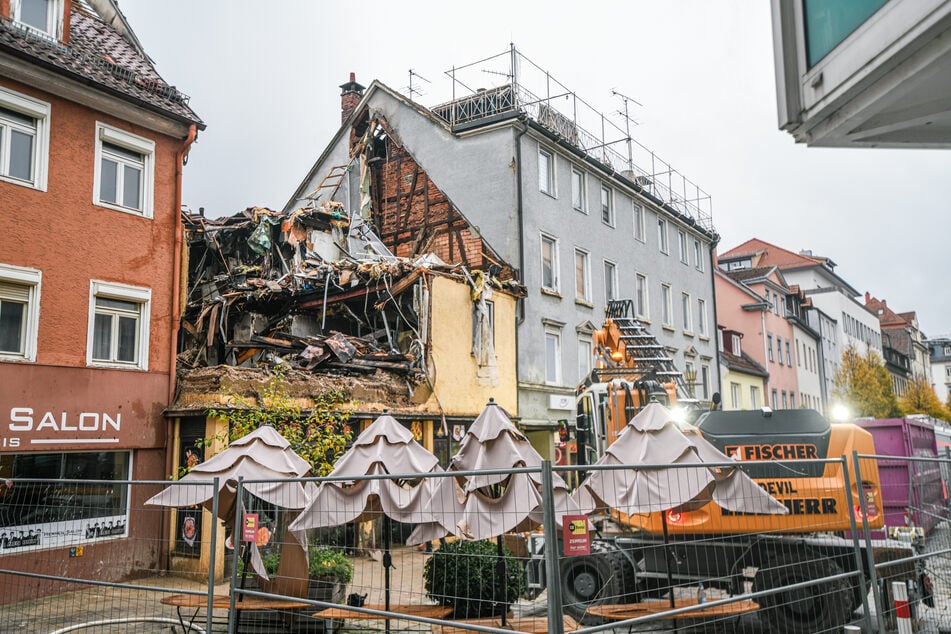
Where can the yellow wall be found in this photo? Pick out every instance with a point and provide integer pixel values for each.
(457, 384)
(745, 381)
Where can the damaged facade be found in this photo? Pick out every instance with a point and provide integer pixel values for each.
(314, 291)
(502, 182)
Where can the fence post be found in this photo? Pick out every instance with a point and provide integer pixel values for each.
(902, 610)
(857, 549)
(235, 547)
(869, 555)
(556, 621)
(212, 555)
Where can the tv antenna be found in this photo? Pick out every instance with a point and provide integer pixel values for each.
(627, 123)
(415, 91)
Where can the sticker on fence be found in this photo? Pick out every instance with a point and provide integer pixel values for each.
(575, 534)
(249, 526)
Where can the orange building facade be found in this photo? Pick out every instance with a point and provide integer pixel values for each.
(92, 144)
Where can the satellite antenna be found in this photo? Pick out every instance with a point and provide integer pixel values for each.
(627, 123)
(414, 91)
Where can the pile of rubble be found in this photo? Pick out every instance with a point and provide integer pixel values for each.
(312, 289)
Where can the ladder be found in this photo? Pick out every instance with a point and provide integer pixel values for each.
(643, 351)
(332, 181)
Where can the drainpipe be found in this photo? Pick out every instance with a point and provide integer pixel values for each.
(520, 214)
(762, 316)
(173, 342)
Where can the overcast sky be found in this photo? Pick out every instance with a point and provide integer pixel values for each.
(264, 77)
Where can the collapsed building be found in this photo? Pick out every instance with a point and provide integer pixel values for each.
(314, 291)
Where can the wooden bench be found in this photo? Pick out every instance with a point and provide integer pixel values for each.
(534, 624)
(339, 614)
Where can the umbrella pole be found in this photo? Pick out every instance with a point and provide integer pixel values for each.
(387, 564)
(670, 577)
(500, 573)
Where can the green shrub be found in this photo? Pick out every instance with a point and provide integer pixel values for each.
(328, 562)
(464, 576)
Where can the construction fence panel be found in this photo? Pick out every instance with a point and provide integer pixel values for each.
(377, 554)
(92, 553)
(911, 546)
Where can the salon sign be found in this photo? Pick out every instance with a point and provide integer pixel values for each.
(29, 427)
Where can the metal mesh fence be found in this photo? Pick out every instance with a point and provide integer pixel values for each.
(670, 548)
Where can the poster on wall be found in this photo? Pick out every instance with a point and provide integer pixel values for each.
(189, 519)
(60, 534)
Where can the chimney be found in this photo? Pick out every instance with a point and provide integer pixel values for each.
(350, 95)
(868, 297)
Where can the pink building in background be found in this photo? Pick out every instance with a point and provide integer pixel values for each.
(753, 302)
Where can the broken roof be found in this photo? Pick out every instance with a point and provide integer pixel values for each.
(105, 55)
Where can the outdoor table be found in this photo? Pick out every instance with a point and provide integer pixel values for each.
(223, 602)
(533, 624)
(623, 611)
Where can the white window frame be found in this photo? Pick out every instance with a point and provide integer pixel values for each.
(555, 335)
(779, 346)
(146, 147)
(585, 356)
(637, 213)
(735, 395)
(705, 380)
(54, 18)
(667, 297)
(556, 282)
(662, 242)
(754, 397)
(682, 245)
(642, 308)
(581, 204)
(40, 112)
(698, 254)
(737, 346)
(610, 191)
(550, 173)
(702, 317)
(610, 280)
(585, 273)
(686, 306)
(33, 280)
(141, 296)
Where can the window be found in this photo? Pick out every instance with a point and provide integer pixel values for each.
(736, 346)
(702, 317)
(682, 241)
(769, 346)
(640, 296)
(24, 139)
(552, 357)
(40, 15)
(610, 281)
(792, 400)
(686, 309)
(546, 172)
(775, 399)
(735, 395)
(118, 325)
(754, 397)
(639, 223)
(579, 197)
(582, 276)
(584, 358)
(698, 255)
(798, 354)
(124, 166)
(779, 348)
(19, 312)
(550, 263)
(785, 400)
(704, 381)
(607, 205)
(34, 512)
(668, 298)
(788, 354)
(662, 235)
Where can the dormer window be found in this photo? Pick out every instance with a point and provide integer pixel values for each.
(43, 16)
(736, 346)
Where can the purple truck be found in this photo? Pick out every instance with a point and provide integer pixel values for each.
(914, 493)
